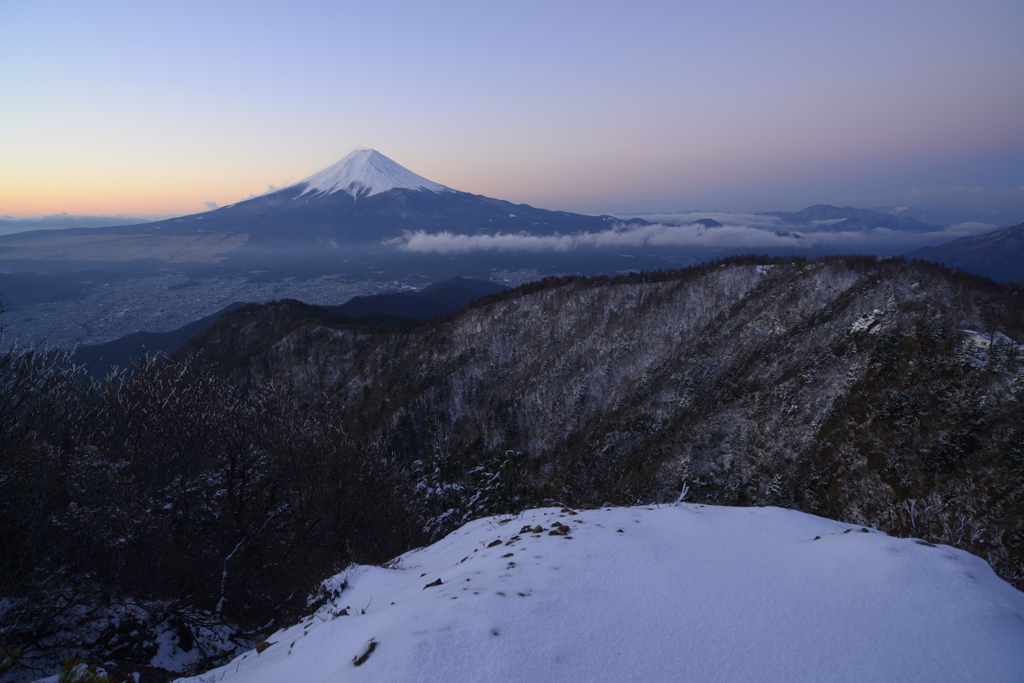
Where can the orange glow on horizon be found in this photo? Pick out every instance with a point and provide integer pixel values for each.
(141, 195)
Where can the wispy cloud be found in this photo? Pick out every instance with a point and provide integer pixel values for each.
(211, 205)
(766, 233)
(270, 188)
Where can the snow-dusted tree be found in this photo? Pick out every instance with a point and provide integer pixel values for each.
(498, 485)
(448, 496)
(440, 493)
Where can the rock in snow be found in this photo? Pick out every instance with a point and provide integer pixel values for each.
(691, 592)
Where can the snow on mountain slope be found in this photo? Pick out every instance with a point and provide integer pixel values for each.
(640, 594)
(366, 172)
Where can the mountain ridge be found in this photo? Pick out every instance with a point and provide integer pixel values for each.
(846, 381)
(998, 254)
(825, 217)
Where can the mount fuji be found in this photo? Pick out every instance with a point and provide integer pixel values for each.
(366, 172)
(367, 198)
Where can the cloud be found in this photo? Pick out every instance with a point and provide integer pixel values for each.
(270, 188)
(767, 233)
(656, 235)
(969, 229)
(211, 205)
(450, 243)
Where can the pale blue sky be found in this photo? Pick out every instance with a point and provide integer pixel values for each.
(146, 108)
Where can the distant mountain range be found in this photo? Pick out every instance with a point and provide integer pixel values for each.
(998, 255)
(951, 215)
(826, 218)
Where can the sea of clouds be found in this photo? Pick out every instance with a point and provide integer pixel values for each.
(738, 231)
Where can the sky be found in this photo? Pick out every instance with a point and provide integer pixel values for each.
(156, 109)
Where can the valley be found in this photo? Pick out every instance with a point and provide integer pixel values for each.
(90, 303)
(163, 302)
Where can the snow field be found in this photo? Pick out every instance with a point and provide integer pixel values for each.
(680, 593)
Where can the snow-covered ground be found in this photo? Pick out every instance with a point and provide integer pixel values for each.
(680, 593)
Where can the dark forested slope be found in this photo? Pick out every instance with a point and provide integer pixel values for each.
(842, 386)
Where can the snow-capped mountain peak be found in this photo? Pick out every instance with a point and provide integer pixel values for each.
(367, 172)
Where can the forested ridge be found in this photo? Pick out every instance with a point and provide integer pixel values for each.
(844, 386)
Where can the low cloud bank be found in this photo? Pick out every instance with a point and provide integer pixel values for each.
(737, 232)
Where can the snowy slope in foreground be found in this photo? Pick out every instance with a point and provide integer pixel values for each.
(680, 593)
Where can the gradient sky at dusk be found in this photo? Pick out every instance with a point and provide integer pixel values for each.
(155, 108)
